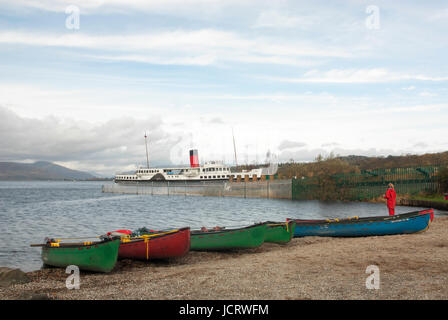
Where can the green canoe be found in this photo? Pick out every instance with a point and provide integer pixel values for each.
(98, 256)
(279, 232)
(226, 239)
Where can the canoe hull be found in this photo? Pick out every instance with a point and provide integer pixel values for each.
(167, 246)
(378, 226)
(280, 232)
(100, 257)
(243, 238)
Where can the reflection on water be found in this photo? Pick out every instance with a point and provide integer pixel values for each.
(31, 211)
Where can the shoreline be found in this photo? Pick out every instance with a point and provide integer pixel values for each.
(412, 266)
(407, 201)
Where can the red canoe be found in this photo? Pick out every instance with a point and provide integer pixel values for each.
(159, 246)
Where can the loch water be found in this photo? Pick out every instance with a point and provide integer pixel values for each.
(33, 210)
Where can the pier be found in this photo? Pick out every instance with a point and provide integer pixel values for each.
(272, 189)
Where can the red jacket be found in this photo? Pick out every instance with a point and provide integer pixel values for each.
(390, 196)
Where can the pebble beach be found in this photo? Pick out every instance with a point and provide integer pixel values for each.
(411, 266)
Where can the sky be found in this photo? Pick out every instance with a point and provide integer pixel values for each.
(81, 81)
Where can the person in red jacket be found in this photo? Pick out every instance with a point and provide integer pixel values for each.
(390, 196)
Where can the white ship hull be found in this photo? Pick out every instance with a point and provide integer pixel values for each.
(211, 171)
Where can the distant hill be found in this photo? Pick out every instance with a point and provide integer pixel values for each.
(409, 160)
(40, 170)
(353, 164)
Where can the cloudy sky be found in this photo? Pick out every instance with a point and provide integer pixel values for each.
(296, 78)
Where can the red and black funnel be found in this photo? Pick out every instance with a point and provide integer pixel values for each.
(194, 159)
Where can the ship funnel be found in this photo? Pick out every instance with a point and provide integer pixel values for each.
(194, 159)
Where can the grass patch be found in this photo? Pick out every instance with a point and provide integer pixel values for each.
(429, 197)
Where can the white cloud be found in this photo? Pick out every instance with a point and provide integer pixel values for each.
(427, 93)
(274, 19)
(439, 15)
(197, 47)
(287, 144)
(108, 147)
(375, 75)
(120, 6)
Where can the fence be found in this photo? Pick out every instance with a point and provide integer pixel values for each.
(368, 184)
(276, 189)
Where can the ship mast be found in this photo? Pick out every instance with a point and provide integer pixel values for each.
(147, 157)
(234, 149)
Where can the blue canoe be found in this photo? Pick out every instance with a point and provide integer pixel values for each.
(411, 222)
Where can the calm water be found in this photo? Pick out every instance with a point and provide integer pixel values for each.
(31, 211)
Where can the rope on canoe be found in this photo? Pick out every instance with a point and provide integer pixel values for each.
(342, 220)
(147, 236)
(79, 238)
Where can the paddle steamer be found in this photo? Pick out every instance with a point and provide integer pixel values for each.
(210, 171)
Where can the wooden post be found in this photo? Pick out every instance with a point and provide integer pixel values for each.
(245, 185)
(268, 189)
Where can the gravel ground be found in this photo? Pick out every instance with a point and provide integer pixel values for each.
(411, 267)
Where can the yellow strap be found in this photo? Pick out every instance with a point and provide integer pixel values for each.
(152, 235)
(280, 224)
(147, 248)
(54, 244)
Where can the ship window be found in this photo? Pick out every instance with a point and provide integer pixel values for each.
(214, 177)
